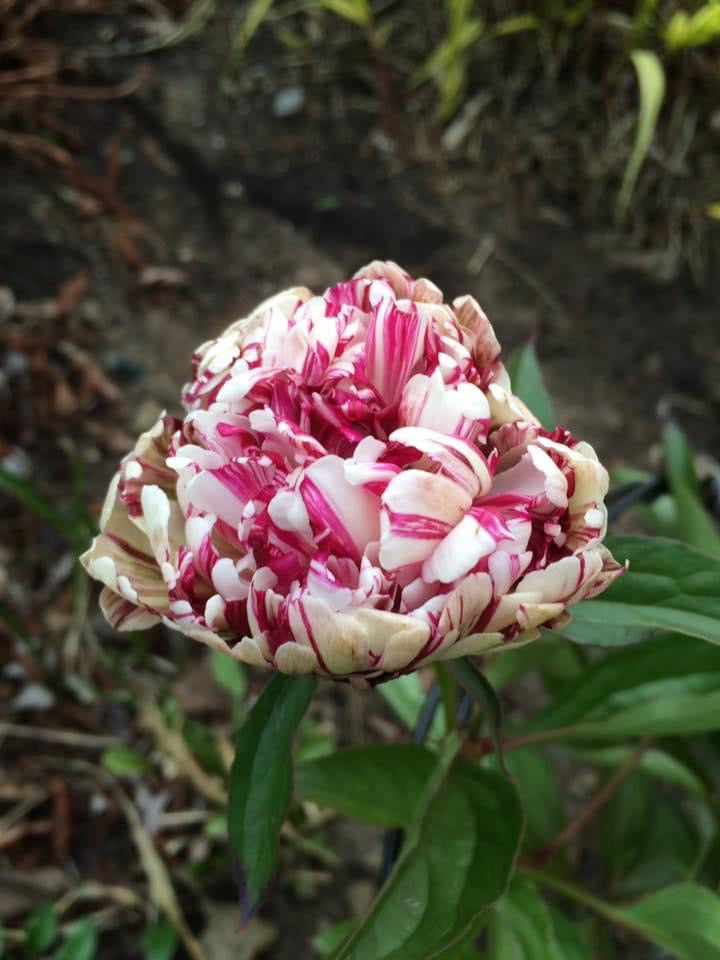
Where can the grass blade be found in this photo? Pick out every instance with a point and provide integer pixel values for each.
(651, 83)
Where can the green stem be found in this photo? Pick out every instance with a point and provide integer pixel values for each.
(600, 907)
(448, 695)
(479, 687)
(568, 890)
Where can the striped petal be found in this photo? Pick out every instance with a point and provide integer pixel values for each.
(394, 347)
(419, 509)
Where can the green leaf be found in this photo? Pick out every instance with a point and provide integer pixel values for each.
(40, 928)
(527, 382)
(456, 861)
(464, 948)
(669, 586)
(356, 11)
(81, 942)
(646, 838)
(698, 29)
(314, 740)
(694, 523)
(261, 777)
(571, 943)
(669, 685)
(378, 785)
(534, 777)
(683, 918)
(651, 82)
(124, 762)
(518, 24)
(522, 927)
(229, 674)
(329, 939)
(660, 515)
(501, 670)
(257, 12)
(481, 690)
(159, 941)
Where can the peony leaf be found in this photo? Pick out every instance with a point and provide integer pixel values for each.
(647, 838)
(328, 940)
(40, 928)
(379, 785)
(261, 779)
(669, 685)
(534, 777)
(683, 919)
(694, 523)
(527, 382)
(522, 927)
(159, 940)
(229, 673)
(570, 941)
(124, 762)
(456, 861)
(668, 586)
(356, 11)
(81, 942)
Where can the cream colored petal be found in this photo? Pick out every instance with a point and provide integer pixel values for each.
(533, 614)
(506, 611)
(556, 582)
(340, 641)
(473, 645)
(396, 638)
(521, 639)
(248, 651)
(295, 658)
(121, 614)
(505, 407)
(196, 631)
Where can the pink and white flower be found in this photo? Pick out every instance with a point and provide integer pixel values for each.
(354, 491)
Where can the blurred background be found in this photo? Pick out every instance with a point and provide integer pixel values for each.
(165, 165)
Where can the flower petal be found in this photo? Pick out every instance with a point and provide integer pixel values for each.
(394, 346)
(419, 510)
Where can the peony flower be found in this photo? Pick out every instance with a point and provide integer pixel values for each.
(354, 491)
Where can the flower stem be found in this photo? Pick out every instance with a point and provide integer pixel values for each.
(568, 890)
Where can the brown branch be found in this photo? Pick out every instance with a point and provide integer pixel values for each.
(586, 816)
(482, 746)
